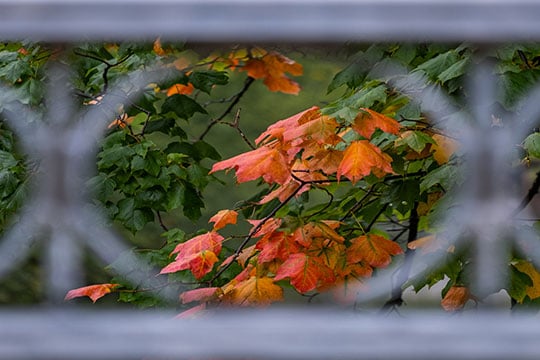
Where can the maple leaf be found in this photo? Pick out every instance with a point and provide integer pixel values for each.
(320, 229)
(372, 249)
(266, 162)
(305, 272)
(200, 263)
(276, 130)
(367, 121)
(456, 298)
(94, 292)
(275, 246)
(443, 148)
(202, 294)
(223, 218)
(192, 313)
(532, 291)
(272, 68)
(268, 227)
(207, 241)
(361, 158)
(255, 291)
(180, 89)
(320, 129)
(198, 254)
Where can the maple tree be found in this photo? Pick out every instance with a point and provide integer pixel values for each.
(345, 189)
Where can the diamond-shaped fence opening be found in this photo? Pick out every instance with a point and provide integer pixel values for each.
(57, 216)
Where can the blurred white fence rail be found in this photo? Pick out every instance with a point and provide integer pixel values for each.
(45, 333)
(271, 20)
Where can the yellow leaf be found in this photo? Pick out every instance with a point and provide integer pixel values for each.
(255, 291)
(526, 267)
(443, 148)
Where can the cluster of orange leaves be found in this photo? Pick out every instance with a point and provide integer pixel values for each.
(270, 66)
(293, 154)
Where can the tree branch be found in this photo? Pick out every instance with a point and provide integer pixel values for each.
(533, 190)
(235, 99)
(255, 230)
(404, 271)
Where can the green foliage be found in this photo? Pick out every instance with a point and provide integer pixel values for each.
(153, 167)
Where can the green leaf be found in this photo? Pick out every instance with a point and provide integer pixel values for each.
(118, 155)
(183, 106)
(101, 186)
(8, 56)
(13, 71)
(175, 197)
(131, 217)
(153, 163)
(205, 80)
(532, 144)
(519, 283)
(418, 141)
(192, 203)
(440, 63)
(7, 160)
(454, 71)
(205, 150)
(8, 183)
(444, 176)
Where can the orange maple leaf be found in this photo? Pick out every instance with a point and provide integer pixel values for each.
(321, 229)
(180, 89)
(200, 263)
(272, 68)
(361, 158)
(255, 291)
(202, 294)
(443, 148)
(266, 162)
(367, 121)
(94, 292)
(276, 130)
(224, 218)
(372, 249)
(456, 298)
(305, 272)
(320, 129)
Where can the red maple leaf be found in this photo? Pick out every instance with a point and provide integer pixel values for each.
(200, 263)
(372, 249)
(202, 294)
(277, 245)
(305, 272)
(362, 158)
(94, 292)
(207, 241)
(198, 254)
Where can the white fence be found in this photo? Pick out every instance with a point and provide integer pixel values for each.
(56, 333)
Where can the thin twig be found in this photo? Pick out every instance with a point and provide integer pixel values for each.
(236, 125)
(165, 228)
(236, 99)
(255, 230)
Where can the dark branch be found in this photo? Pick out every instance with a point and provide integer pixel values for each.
(235, 99)
(533, 190)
